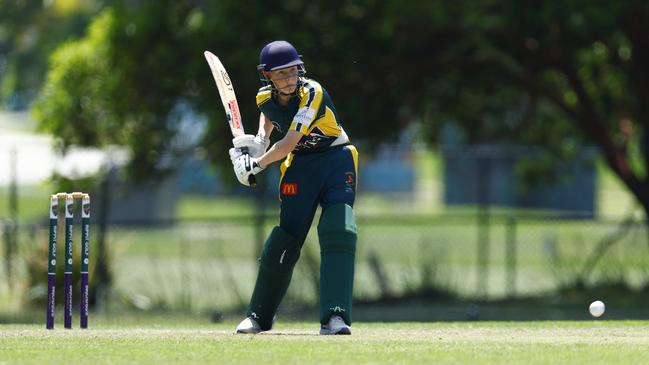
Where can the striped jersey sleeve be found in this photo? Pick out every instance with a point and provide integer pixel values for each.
(263, 95)
(311, 95)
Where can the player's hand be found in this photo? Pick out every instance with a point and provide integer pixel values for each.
(244, 166)
(255, 145)
(263, 142)
(235, 152)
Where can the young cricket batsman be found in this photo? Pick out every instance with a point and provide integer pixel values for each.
(319, 168)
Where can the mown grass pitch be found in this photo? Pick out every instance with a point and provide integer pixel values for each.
(566, 342)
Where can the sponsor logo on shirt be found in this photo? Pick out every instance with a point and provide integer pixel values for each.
(289, 189)
(304, 116)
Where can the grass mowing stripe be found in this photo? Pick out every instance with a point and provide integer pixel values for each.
(596, 342)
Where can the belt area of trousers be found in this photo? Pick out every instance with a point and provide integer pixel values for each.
(328, 149)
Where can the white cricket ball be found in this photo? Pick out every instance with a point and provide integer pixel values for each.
(596, 308)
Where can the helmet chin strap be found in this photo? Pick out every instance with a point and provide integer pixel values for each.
(294, 93)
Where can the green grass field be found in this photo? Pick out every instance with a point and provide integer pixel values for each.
(133, 342)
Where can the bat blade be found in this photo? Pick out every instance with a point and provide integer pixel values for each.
(226, 91)
(229, 100)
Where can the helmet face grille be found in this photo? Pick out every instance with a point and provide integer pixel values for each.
(278, 55)
(301, 72)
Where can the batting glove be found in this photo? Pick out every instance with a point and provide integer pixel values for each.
(244, 166)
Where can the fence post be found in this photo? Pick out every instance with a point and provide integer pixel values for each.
(102, 273)
(13, 186)
(484, 200)
(11, 227)
(511, 255)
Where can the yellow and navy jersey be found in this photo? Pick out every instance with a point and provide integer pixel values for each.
(310, 112)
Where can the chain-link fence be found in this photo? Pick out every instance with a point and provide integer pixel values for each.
(200, 265)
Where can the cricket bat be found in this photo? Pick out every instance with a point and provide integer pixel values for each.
(229, 100)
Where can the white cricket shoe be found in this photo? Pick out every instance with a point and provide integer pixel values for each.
(336, 326)
(248, 325)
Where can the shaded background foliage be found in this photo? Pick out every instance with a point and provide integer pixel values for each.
(29, 32)
(557, 75)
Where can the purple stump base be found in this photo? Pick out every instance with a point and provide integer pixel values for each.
(51, 303)
(83, 305)
(67, 319)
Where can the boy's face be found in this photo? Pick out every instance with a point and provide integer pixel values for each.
(285, 80)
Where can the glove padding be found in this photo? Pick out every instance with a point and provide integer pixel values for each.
(244, 166)
(256, 145)
(235, 153)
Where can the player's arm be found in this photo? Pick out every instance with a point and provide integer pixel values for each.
(280, 149)
(265, 127)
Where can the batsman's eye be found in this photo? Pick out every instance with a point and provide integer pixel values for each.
(283, 75)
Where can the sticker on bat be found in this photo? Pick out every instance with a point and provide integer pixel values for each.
(236, 116)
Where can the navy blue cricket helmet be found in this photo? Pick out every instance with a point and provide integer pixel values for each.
(276, 56)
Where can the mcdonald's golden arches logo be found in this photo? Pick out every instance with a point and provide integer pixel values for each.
(289, 189)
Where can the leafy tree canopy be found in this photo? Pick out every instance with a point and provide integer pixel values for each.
(553, 74)
(29, 32)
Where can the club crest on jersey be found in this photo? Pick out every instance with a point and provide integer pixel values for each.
(350, 181)
(277, 126)
(289, 189)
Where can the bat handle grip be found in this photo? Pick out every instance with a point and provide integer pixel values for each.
(252, 181)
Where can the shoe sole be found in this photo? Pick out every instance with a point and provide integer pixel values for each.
(342, 331)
